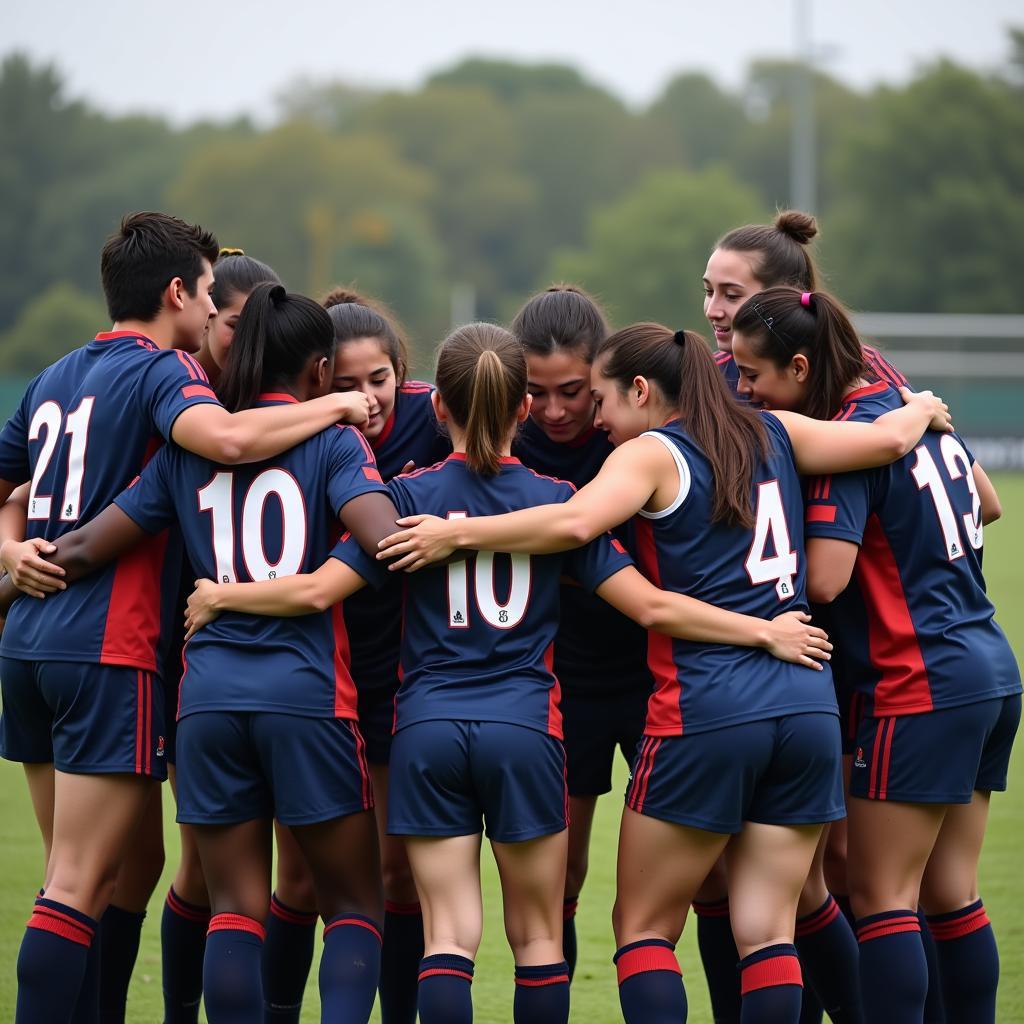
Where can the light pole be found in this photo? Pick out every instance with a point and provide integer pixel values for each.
(803, 185)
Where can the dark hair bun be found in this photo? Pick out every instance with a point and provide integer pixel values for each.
(796, 224)
(341, 295)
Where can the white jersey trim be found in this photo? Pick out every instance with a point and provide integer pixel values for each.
(684, 477)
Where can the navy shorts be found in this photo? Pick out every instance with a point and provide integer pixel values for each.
(448, 778)
(779, 771)
(937, 757)
(246, 765)
(594, 726)
(84, 718)
(376, 722)
(852, 704)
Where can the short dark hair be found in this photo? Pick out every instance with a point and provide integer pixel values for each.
(144, 255)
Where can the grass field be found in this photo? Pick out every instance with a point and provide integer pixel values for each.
(594, 998)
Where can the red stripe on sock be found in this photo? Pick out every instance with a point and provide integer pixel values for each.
(352, 921)
(46, 919)
(946, 931)
(719, 908)
(644, 959)
(888, 926)
(555, 979)
(407, 909)
(430, 972)
(186, 911)
(236, 923)
(297, 917)
(821, 918)
(771, 972)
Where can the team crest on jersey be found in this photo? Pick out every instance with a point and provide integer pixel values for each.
(159, 746)
(858, 761)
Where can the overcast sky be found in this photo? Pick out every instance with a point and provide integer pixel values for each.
(210, 58)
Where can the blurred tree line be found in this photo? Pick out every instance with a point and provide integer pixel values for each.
(503, 176)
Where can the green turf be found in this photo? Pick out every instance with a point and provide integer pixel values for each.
(594, 999)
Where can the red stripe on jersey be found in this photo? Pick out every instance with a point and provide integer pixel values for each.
(367, 450)
(554, 695)
(183, 359)
(664, 708)
(869, 389)
(344, 687)
(389, 425)
(114, 335)
(197, 391)
(277, 396)
(881, 367)
(372, 474)
(133, 613)
(198, 367)
(892, 640)
(364, 768)
(416, 387)
(883, 778)
(821, 513)
(722, 357)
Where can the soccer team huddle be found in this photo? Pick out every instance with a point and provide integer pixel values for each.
(375, 619)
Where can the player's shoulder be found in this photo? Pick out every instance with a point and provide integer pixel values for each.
(542, 482)
(869, 402)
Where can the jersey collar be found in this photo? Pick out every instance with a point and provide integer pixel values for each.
(505, 460)
(114, 335)
(277, 396)
(869, 389)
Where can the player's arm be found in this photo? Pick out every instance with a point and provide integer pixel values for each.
(625, 484)
(828, 446)
(21, 558)
(86, 549)
(302, 594)
(830, 563)
(790, 637)
(991, 506)
(250, 435)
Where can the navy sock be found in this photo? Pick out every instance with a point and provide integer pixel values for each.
(119, 934)
(569, 933)
(287, 957)
(968, 964)
(400, 962)
(844, 905)
(719, 956)
(651, 989)
(811, 1010)
(349, 968)
(445, 982)
(232, 988)
(542, 994)
(934, 1005)
(893, 969)
(183, 945)
(829, 957)
(87, 1008)
(52, 962)
(771, 985)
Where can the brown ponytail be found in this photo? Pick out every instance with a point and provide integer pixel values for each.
(731, 436)
(781, 322)
(782, 256)
(481, 378)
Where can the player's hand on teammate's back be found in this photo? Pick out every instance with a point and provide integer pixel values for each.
(355, 408)
(941, 420)
(793, 638)
(29, 572)
(426, 539)
(200, 610)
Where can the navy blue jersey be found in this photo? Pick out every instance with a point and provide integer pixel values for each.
(597, 649)
(757, 571)
(914, 630)
(83, 431)
(257, 522)
(374, 617)
(477, 634)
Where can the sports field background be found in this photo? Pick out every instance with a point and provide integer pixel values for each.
(594, 998)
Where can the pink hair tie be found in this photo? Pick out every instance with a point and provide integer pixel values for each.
(805, 299)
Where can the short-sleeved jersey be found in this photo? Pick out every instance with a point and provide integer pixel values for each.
(759, 571)
(254, 522)
(83, 431)
(477, 634)
(878, 368)
(597, 649)
(374, 617)
(915, 629)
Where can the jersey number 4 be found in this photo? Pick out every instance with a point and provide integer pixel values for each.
(927, 476)
(217, 498)
(50, 417)
(771, 529)
(501, 615)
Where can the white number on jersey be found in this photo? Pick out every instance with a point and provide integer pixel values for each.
(495, 613)
(216, 498)
(927, 476)
(770, 523)
(49, 416)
